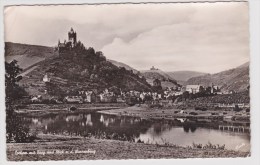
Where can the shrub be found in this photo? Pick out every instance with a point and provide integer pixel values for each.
(193, 113)
(237, 109)
(45, 101)
(20, 106)
(17, 131)
(204, 109)
(197, 108)
(155, 106)
(201, 108)
(72, 108)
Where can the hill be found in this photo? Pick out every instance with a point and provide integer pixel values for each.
(166, 80)
(120, 64)
(183, 76)
(27, 55)
(244, 65)
(236, 79)
(84, 69)
(150, 75)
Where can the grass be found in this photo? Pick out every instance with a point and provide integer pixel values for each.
(207, 146)
(112, 149)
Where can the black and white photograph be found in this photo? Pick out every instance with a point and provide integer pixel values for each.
(127, 81)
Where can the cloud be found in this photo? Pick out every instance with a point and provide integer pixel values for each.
(211, 40)
(207, 37)
(97, 25)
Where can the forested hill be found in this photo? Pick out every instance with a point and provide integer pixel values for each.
(120, 64)
(86, 69)
(166, 80)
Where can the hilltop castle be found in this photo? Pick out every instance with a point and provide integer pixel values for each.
(75, 50)
(153, 68)
(67, 46)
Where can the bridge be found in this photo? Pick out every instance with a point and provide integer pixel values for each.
(234, 128)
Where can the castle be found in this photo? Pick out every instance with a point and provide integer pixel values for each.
(153, 68)
(66, 47)
(75, 50)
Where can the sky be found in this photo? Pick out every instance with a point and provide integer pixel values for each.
(204, 37)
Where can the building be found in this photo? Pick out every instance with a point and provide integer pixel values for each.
(36, 99)
(66, 47)
(57, 80)
(90, 97)
(193, 88)
(153, 68)
(214, 88)
(72, 36)
(46, 78)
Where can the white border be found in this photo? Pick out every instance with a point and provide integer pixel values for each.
(254, 8)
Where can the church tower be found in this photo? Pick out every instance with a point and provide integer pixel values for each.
(72, 37)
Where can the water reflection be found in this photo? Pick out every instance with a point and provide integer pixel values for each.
(96, 125)
(180, 131)
(189, 127)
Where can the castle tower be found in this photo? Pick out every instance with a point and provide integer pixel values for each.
(72, 36)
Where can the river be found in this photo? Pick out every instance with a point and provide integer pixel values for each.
(181, 132)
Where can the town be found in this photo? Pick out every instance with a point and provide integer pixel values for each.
(156, 95)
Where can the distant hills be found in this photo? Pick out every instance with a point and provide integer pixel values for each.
(236, 79)
(166, 80)
(183, 76)
(177, 76)
(159, 74)
(27, 55)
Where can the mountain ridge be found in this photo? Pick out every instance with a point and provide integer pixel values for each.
(236, 79)
(182, 76)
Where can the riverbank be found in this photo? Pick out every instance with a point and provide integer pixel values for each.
(142, 111)
(40, 110)
(93, 149)
(145, 112)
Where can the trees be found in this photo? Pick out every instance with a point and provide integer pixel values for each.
(11, 79)
(15, 130)
(185, 95)
(236, 108)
